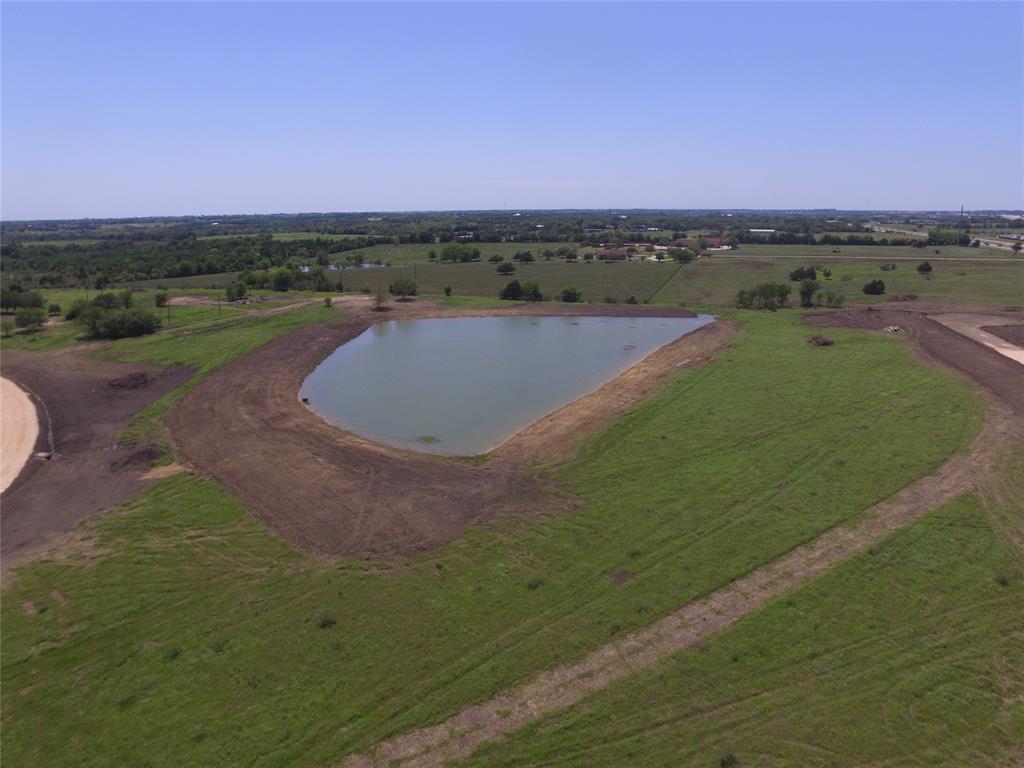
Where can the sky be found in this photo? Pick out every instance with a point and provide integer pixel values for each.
(138, 109)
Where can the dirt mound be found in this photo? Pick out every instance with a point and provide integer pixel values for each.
(904, 297)
(820, 341)
(140, 458)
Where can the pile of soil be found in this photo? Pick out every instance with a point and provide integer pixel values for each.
(820, 341)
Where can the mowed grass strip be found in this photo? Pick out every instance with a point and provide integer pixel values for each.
(910, 654)
(186, 629)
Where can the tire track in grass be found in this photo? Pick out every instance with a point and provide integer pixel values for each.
(560, 688)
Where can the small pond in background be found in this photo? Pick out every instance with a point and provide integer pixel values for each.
(462, 386)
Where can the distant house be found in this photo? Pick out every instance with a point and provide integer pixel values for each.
(613, 254)
(762, 231)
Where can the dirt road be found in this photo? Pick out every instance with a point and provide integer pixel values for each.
(19, 429)
(337, 494)
(85, 404)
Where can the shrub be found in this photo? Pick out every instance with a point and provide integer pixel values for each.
(763, 296)
(496, 259)
(523, 257)
(531, 291)
(125, 297)
(874, 287)
(512, 292)
(631, 300)
(571, 295)
(54, 309)
(327, 302)
(161, 298)
(6, 328)
(30, 318)
(237, 291)
(281, 279)
(505, 268)
(106, 301)
(803, 273)
(404, 288)
(888, 267)
(808, 288)
(326, 622)
(15, 299)
(924, 268)
(76, 309)
(119, 323)
(827, 273)
(447, 290)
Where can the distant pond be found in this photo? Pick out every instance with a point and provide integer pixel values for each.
(462, 386)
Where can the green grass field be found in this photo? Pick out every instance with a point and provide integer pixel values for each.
(910, 654)
(183, 628)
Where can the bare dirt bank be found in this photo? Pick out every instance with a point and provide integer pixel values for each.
(337, 494)
(19, 429)
(83, 404)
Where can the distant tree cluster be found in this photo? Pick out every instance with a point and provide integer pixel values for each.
(764, 296)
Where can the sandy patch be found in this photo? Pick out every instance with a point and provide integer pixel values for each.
(972, 326)
(19, 429)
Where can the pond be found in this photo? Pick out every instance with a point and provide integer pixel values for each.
(462, 386)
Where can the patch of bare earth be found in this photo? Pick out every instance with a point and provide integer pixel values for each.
(78, 469)
(557, 689)
(335, 493)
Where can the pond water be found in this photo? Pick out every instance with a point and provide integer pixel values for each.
(462, 386)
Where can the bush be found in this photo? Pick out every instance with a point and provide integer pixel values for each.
(512, 292)
(161, 298)
(30, 318)
(403, 288)
(236, 291)
(763, 296)
(808, 288)
(631, 300)
(803, 273)
(531, 291)
(54, 309)
(327, 302)
(874, 287)
(924, 268)
(76, 309)
(496, 259)
(888, 267)
(106, 301)
(281, 279)
(571, 295)
(459, 252)
(6, 328)
(523, 257)
(119, 323)
(447, 290)
(13, 299)
(505, 269)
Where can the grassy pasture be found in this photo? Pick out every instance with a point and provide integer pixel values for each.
(408, 253)
(183, 628)
(880, 252)
(910, 654)
(287, 236)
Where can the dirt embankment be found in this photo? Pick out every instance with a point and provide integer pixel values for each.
(82, 405)
(337, 494)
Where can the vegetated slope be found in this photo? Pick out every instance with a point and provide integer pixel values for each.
(910, 654)
(188, 630)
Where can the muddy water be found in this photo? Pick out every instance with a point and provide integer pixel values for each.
(462, 386)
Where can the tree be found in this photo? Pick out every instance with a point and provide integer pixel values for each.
(924, 268)
(30, 318)
(512, 292)
(447, 290)
(803, 273)
(403, 288)
(874, 287)
(54, 309)
(496, 258)
(505, 268)
(161, 298)
(281, 279)
(523, 257)
(808, 288)
(531, 291)
(571, 295)
(764, 296)
(106, 301)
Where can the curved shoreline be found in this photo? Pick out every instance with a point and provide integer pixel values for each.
(336, 493)
(20, 431)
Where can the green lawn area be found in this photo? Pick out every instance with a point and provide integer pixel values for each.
(908, 655)
(715, 280)
(184, 628)
(884, 252)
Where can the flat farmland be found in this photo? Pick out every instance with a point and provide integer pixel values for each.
(408, 253)
(619, 280)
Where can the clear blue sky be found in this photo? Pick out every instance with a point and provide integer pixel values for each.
(131, 109)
